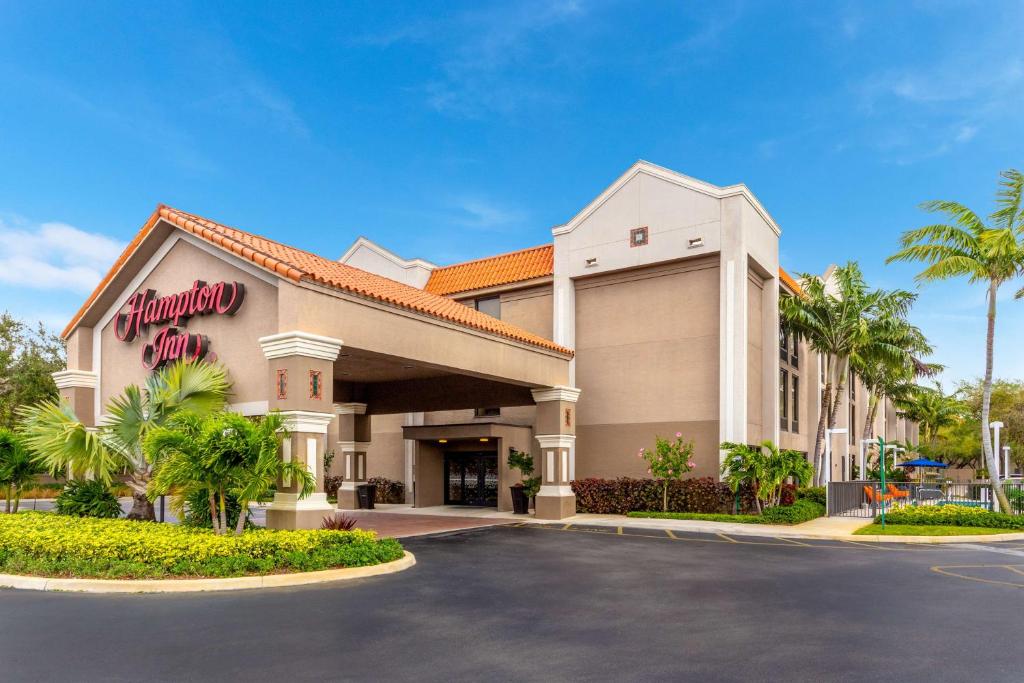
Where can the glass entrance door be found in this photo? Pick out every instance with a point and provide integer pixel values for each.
(471, 479)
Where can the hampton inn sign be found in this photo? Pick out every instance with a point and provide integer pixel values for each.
(146, 308)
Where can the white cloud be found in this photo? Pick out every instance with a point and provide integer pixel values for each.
(55, 256)
(483, 214)
(966, 133)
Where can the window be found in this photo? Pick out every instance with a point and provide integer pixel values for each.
(490, 305)
(316, 388)
(794, 351)
(487, 412)
(783, 345)
(783, 399)
(638, 237)
(282, 384)
(794, 425)
(853, 408)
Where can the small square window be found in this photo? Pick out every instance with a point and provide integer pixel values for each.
(282, 384)
(638, 237)
(487, 412)
(316, 385)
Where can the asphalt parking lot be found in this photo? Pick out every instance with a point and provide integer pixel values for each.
(535, 603)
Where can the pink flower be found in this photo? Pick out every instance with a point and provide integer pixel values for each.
(690, 464)
(670, 471)
(648, 470)
(679, 435)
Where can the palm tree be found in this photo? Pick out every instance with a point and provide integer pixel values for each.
(987, 253)
(64, 444)
(765, 469)
(18, 468)
(840, 326)
(881, 376)
(225, 455)
(933, 410)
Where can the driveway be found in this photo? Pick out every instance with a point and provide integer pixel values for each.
(543, 603)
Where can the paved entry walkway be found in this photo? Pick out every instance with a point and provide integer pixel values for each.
(400, 525)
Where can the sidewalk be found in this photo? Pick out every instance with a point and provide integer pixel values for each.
(823, 528)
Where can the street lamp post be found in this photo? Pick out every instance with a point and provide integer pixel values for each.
(863, 457)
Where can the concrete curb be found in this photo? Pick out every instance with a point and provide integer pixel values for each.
(773, 531)
(44, 583)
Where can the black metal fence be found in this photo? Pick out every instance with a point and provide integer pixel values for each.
(867, 498)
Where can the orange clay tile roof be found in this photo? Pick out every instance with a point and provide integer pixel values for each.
(503, 269)
(790, 282)
(516, 266)
(298, 265)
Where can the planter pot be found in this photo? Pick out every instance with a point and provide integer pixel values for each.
(520, 503)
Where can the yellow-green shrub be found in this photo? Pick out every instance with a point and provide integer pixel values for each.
(40, 542)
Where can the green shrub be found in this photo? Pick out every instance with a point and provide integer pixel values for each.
(953, 515)
(388, 490)
(815, 494)
(50, 544)
(87, 498)
(797, 513)
(800, 511)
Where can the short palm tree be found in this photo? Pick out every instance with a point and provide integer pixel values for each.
(842, 323)
(989, 253)
(64, 444)
(222, 454)
(932, 410)
(18, 468)
(765, 469)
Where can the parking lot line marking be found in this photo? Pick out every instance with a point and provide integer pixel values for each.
(790, 540)
(670, 534)
(944, 570)
(567, 527)
(618, 530)
(731, 540)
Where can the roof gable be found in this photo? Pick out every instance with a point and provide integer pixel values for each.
(298, 265)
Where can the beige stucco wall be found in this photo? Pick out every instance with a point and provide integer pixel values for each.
(232, 338)
(530, 309)
(756, 428)
(647, 364)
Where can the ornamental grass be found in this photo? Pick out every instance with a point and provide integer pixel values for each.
(44, 543)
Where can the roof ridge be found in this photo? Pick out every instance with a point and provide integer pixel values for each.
(549, 245)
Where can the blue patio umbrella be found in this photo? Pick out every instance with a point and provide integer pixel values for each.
(923, 462)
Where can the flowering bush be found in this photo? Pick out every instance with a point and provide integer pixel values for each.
(669, 460)
(47, 543)
(623, 495)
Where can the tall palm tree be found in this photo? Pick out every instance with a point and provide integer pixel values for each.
(891, 375)
(989, 253)
(841, 323)
(63, 443)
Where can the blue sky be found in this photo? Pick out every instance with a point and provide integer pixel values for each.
(467, 129)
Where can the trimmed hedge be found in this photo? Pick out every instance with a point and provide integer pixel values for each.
(815, 494)
(48, 544)
(624, 495)
(953, 515)
(797, 513)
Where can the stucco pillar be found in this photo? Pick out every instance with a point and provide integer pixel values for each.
(301, 385)
(555, 430)
(353, 443)
(79, 385)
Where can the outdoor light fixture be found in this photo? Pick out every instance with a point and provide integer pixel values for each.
(863, 457)
(442, 440)
(996, 426)
(484, 439)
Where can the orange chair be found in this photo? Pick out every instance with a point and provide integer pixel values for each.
(876, 497)
(897, 493)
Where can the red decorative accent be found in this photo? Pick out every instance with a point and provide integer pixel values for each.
(316, 385)
(568, 417)
(146, 308)
(282, 385)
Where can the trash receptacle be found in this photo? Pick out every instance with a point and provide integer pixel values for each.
(366, 493)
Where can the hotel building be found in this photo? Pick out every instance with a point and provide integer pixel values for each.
(653, 310)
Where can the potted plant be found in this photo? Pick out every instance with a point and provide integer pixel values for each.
(530, 485)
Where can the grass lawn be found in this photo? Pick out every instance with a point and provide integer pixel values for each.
(929, 530)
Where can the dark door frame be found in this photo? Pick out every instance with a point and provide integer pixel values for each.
(479, 498)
